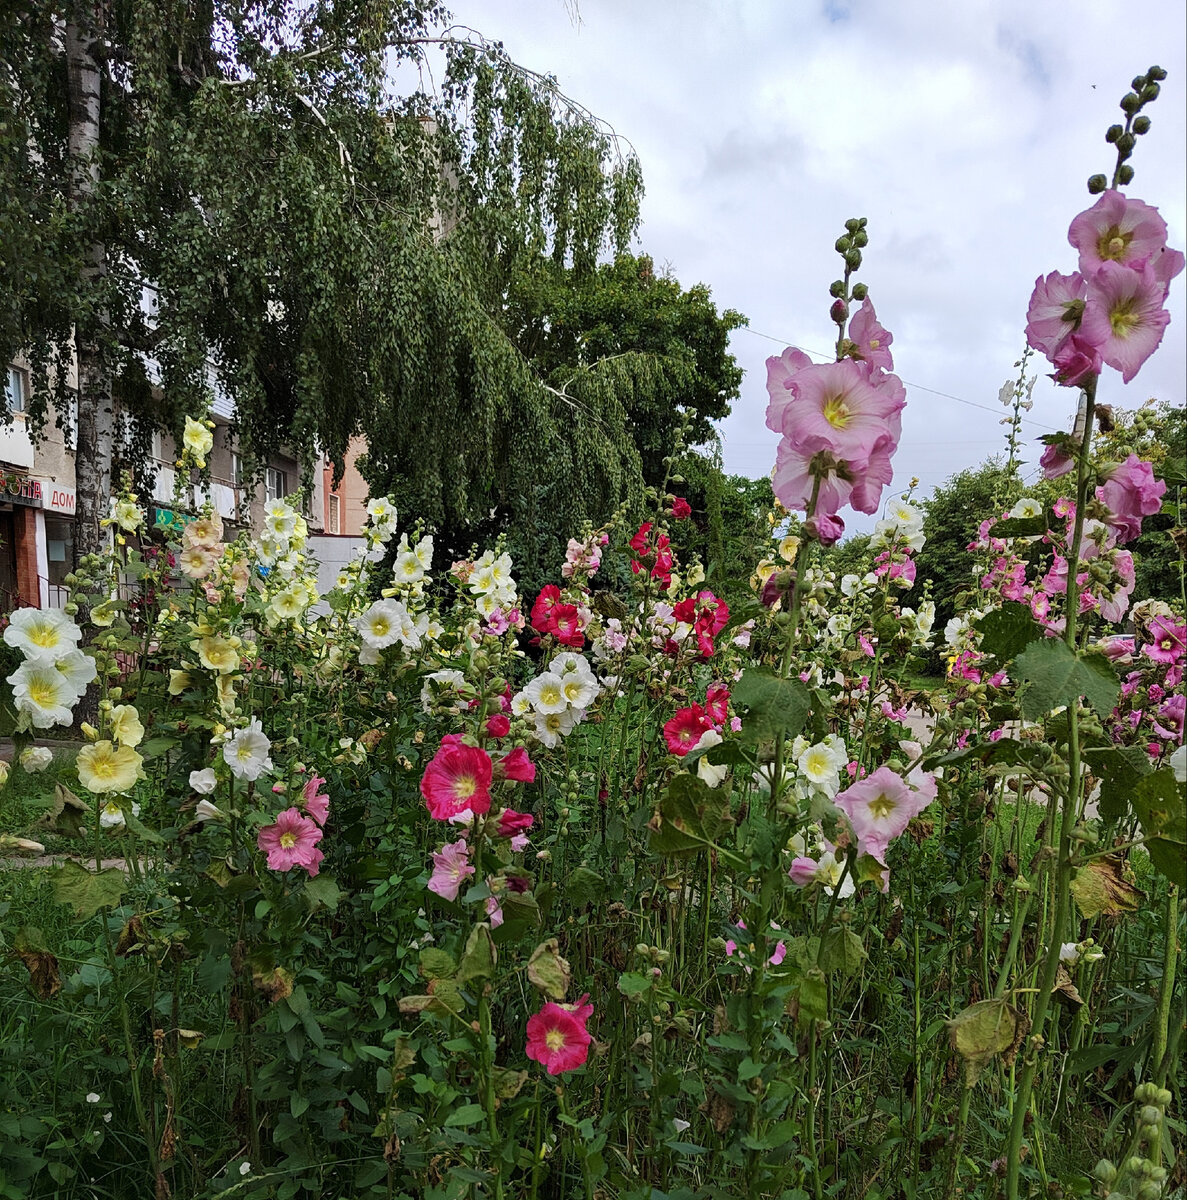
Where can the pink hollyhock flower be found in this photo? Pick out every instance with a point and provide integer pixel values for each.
(1056, 306)
(794, 478)
(512, 822)
(1171, 717)
(1167, 640)
(291, 842)
(498, 726)
(315, 802)
(685, 729)
(639, 542)
(717, 700)
(879, 808)
(1056, 461)
(870, 338)
(494, 911)
(558, 1039)
(781, 371)
(826, 528)
(457, 780)
(451, 868)
(516, 766)
(1116, 648)
(1119, 230)
(836, 403)
(1075, 360)
(1124, 318)
(1130, 492)
(681, 509)
(870, 476)
(803, 872)
(568, 626)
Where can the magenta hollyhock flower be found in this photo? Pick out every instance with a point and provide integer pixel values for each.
(685, 729)
(826, 528)
(1124, 318)
(1167, 640)
(1130, 493)
(517, 766)
(315, 802)
(451, 868)
(871, 340)
(1075, 359)
(781, 370)
(457, 780)
(1171, 717)
(1117, 229)
(512, 822)
(291, 842)
(681, 509)
(717, 699)
(498, 726)
(1056, 306)
(1056, 460)
(879, 808)
(836, 403)
(558, 1039)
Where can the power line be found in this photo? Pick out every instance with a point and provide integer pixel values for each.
(919, 386)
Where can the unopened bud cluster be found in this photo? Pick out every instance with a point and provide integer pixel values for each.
(1124, 137)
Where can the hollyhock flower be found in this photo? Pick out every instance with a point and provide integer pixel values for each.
(247, 752)
(494, 911)
(558, 1039)
(1130, 492)
(568, 626)
(111, 815)
(685, 729)
(1117, 230)
(781, 370)
(1170, 720)
(511, 822)
(1075, 360)
(40, 691)
(821, 764)
(103, 768)
(879, 808)
(1056, 307)
(710, 774)
(46, 633)
(291, 842)
(1124, 318)
(794, 478)
(125, 725)
(717, 699)
(1167, 640)
(516, 766)
(451, 867)
(205, 811)
(35, 759)
(457, 780)
(546, 601)
(551, 727)
(196, 562)
(498, 726)
(315, 802)
(681, 509)
(870, 339)
(870, 476)
(826, 528)
(1056, 460)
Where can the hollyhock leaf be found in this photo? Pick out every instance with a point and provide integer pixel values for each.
(479, 957)
(1161, 806)
(1008, 630)
(1169, 859)
(274, 982)
(1005, 751)
(44, 978)
(87, 891)
(547, 971)
(813, 996)
(843, 951)
(1100, 887)
(982, 1030)
(776, 706)
(1119, 769)
(437, 964)
(322, 891)
(508, 1084)
(584, 886)
(1052, 675)
(634, 984)
(691, 816)
(520, 911)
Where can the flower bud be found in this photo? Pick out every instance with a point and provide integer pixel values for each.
(1130, 103)
(839, 312)
(1113, 133)
(1105, 1171)
(1125, 174)
(1141, 124)
(1126, 142)
(860, 291)
(853, 224)
(1150, 92)
(1150, 1190)
(860, 238)
(1156, 73)
(843, 244)
(853, 259)
(1138, 82)
(837, 288)
(1150, 1115)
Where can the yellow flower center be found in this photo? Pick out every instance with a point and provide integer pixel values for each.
(465, 787)
(554, 1039)
(836, 412)
(550, 694)
(882, 806)
(874, 343)
(288, 840)
(43, 693)
(380, 627)
(102, 766)
(1124, 317)
(44, 635)
(1112, 244)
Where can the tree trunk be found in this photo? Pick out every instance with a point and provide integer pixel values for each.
(96, 418)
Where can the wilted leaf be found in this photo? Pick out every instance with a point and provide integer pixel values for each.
(274, 982)
(1100, 886)
(478, 960)
(843, 951)
(437, 964)
(87, 891)
(42, 966)
(984, 1029)
(508, 1083)
(444, 997)
(583, 886)
(691, 817)
(190, 1038)
(548, 971)
(1065, 988)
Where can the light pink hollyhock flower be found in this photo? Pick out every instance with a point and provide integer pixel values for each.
(451, 867)
(291, 842)
(1056, 461)
(1124, 318)
(781, 370)
(837, 404)
(1130, 493)
(494, 911)
(315, 802)
(1117, 229)
(871, 476)
(1167, 640)
(803, 872)
(1116, 648)
(1056, 306)
(793, 480)
(1075, 359)
(879, 808)
(826, 528)
(1113, 607)
(871, 340)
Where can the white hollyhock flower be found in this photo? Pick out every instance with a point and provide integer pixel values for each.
(441, 687)
(41, 692)
(546, 694)
(379, 626)
(709, 774)
(247, 752)
(36, 758)
(203, 782)
(551, 727)
(578, 689)
(42, 633)
(77, 668)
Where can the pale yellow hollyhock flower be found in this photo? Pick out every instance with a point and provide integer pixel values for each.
(789, 547)
(179, 681)
(104, 768)
(198, 440)
(225, 689)
(196, 562)
(4, 769)
(103, 615)
(125, 725)
(694, 575)
(127, 515)
(216, 654)
(89, 731)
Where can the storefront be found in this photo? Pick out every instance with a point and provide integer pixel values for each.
(36, 539)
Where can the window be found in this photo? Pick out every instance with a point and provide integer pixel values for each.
(334, 513)
(59, 547)
(16, 390)
(276, 484)
(236, 470)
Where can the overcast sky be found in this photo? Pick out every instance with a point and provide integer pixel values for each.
(964, 131)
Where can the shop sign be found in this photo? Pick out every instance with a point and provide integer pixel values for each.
(21, 489)
(169, 520)
(59, 499)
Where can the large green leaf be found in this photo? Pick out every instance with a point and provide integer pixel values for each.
(1052, 675)
(1008, 630)
(87, 891)
(776, 706)
(1120, 769)
(1161, 806)
(691, 817)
